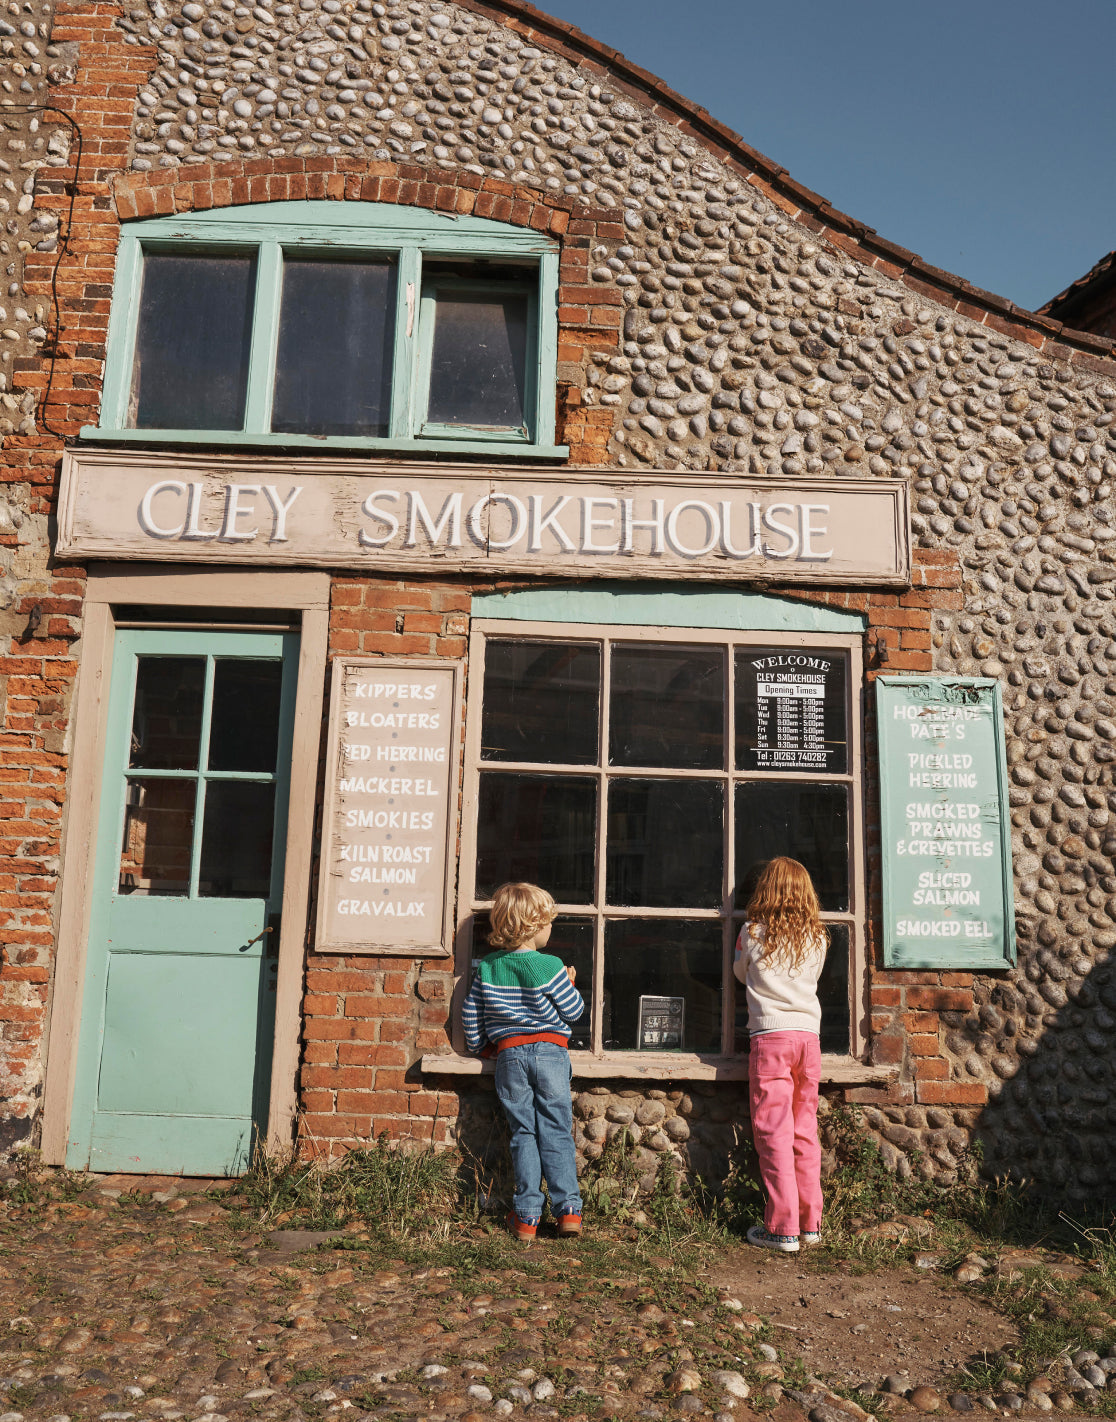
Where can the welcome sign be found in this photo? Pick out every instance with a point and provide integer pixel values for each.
(421, 518)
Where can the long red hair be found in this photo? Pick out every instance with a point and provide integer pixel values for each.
(786, 903)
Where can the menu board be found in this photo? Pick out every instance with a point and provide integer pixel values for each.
(384, 883)
(790, 710)
(947, 882)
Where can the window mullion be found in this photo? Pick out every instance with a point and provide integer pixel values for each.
(404, 421)
(265, 338)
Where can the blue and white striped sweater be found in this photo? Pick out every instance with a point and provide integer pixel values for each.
(517, 993)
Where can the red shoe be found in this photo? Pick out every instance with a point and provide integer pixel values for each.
(569, 1226)
(519, 1230)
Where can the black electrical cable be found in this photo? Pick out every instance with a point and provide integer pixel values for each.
(63, 247)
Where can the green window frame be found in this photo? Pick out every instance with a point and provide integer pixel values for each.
(406, 236)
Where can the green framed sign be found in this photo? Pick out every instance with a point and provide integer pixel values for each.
(947, 880)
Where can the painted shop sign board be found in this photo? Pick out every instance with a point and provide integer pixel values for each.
(424, 518)
(384, 882)
(947, 881)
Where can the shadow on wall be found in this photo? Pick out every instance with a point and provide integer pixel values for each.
(1047, 1049)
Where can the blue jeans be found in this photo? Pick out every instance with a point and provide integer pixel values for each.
(533, 1084)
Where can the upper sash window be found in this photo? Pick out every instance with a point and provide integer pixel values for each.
(357, 325)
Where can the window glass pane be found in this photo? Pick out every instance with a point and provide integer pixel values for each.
(158, 835)
(244, 730)
(675, 959)
(336, 332)
(790, 710)
(478, 362)
(191, 362)
(540, 702)
(538, 828)
(667, 707)
(833, 994)
(236, 840)
(833, 991)
(665, 844)
(571, 939)
(809, 823)
(166, 716)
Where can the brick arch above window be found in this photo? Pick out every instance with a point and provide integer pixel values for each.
(273, 209)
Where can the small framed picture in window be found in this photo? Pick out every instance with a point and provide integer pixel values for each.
(661, 1023)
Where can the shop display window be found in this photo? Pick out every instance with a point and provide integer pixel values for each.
(644, 776)
(357, 325)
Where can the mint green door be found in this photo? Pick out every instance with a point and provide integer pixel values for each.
(178, 1009)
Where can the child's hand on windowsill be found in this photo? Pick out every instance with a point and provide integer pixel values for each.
(571, 973)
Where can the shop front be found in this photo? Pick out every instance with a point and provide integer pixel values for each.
(626, 724)
(459, 459)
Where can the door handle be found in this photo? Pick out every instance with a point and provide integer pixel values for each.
(262, 934)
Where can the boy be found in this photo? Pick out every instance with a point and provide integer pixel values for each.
(522, 1001)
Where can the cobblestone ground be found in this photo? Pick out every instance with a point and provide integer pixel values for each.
(149, 1299)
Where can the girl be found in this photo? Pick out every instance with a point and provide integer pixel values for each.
(779, 958)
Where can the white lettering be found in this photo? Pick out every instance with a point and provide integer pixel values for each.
(787, 530)
(712, 528)
(756, 549)
(280, 509)
(590, 523)
(390, 522)
(629, 523)
(809, 531)
(229, 531)
(146, 515)
(417, 513)
(540, 522)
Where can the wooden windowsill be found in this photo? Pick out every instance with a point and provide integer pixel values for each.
(659, 1066)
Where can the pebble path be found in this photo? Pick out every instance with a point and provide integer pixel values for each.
(140, 1302)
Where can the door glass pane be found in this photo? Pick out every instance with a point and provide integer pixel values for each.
(236, 840)
(833, 994)
(667, 708)
(336, 332)
(665, 843)
(244, 730)
(790, 710)
(571, 939)
(478, 363)
(540, 702)
(167, 714)
(809, 823)
(537, 828)
(192, 341)
(678, 959)
(158, 835)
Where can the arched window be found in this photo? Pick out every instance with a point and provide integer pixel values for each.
(332, 324)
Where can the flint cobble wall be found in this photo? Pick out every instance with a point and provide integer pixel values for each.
(715, 316)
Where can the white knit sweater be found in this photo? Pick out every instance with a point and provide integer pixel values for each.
(780, 999)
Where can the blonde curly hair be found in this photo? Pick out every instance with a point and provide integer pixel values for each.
(786, 903)
(518, 912)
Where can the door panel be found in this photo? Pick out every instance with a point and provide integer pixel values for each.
(178, 1010)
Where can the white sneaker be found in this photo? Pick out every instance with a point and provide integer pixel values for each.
(810, 1236)
(784, 1243)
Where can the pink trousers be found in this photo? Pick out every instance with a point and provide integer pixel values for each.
(784, 1069)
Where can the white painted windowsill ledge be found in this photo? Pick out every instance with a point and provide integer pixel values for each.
(660, 1066)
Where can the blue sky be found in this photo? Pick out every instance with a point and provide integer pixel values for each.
(980, 134)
